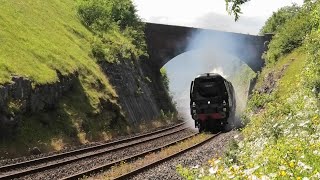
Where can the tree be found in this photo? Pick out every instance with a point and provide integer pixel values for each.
(233, 7)
(279, 18)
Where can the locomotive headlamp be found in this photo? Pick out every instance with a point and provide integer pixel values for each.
(224, 102)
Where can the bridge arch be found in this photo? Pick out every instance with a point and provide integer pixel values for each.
(166, 42)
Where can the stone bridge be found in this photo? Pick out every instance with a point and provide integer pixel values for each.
(166, 42)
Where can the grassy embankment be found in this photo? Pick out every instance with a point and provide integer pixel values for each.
(39, 39)
(281, 140)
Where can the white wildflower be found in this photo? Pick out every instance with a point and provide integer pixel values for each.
(299, 114)
(236, 167)
(241, 144)
(304, 166)
(305, 178)
(264, 177)
(231, 176)
(195, 167)
(303, 124)
(213, 170)
(253, 177)
(251, 170)
(217, 162)
(282, 168)
(317, 176)
(316, 152)
(201, 173)
(273, 175)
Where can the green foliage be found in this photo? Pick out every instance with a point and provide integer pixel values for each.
(188, 174)
(102, 15)
(312, 71)
(118, 30)
(233, 7)
(259, 100)
(14, 106)
(164, 77)
(279, 18)
(292, 33)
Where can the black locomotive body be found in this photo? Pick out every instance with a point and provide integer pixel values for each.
(212, 102)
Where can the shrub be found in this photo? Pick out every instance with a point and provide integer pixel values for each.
(118, 30)
(292, 33)
(279, 18)
(164, 78)
(312, 71)
(289, 37)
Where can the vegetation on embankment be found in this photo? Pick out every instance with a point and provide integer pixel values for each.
(117, 29)
(281, 140)
(41, 40)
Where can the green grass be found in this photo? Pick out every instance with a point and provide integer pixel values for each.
(37, 40)
(290, 80)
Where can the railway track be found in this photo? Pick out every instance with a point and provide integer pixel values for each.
(155, 163)
(126, 159)
(140, 155)
(38, 165)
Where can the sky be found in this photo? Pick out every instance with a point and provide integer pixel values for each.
(209, 14)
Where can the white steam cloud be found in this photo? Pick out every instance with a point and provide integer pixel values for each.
(207, 53)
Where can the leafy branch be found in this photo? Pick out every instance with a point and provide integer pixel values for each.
(233, 7)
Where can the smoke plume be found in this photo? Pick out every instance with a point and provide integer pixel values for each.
(208, 52)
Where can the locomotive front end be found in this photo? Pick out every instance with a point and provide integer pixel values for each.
(211, 102)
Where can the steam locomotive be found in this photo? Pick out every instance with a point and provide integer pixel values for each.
(212, 103)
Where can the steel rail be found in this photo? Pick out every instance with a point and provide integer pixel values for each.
(153, 164)
(33, 162)
(126, 159)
